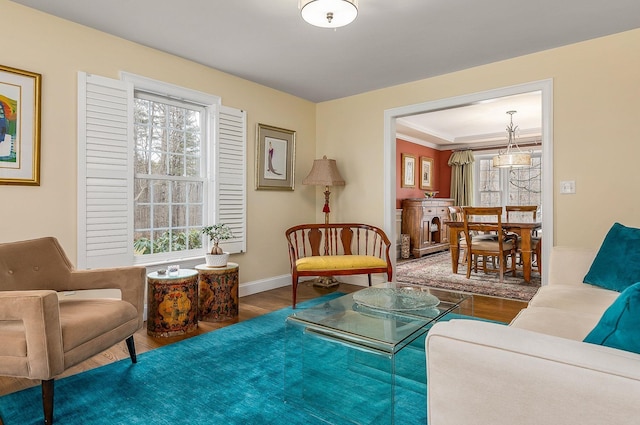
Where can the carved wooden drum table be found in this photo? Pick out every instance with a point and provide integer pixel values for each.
(218, 293)
(172, 300)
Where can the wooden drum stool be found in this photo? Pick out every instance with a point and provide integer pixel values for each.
(218, 293)
(172, 300)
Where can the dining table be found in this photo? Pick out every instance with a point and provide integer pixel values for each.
(524, 230)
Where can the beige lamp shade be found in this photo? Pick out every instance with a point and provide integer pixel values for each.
(515, 160)
(324, 173)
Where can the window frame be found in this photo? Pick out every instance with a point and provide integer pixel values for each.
(202, 178)
(503, 179)
(159, 89)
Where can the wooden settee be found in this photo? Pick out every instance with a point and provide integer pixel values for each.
(337, 249)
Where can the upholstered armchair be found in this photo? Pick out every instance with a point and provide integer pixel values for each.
(43, 332)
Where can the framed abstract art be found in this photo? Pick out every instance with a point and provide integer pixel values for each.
(19, 126)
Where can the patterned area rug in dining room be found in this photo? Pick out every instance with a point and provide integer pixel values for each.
(435, 271)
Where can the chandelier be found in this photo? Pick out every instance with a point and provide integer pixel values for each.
(328, 13)
(513, 156)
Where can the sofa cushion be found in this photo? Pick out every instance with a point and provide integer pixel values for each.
(617, 264)
(568, 324)
(580, 298)
(618, 327)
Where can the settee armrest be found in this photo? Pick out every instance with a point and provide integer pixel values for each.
(485, 373)
(34, 315)
(129, 280)
(569, 265)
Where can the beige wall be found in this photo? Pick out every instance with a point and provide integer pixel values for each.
(58, 49)
(596, 105)
(596, 138)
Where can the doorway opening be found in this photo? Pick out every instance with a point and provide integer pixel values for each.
(545, 87)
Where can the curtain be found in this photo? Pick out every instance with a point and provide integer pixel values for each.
(461, 164)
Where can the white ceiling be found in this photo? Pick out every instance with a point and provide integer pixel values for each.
(391, 41)
(484, 123)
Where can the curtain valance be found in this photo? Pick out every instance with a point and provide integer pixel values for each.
(461, 158)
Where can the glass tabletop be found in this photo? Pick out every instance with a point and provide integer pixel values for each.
(384, 317)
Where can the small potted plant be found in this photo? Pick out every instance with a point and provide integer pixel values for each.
(217, 233)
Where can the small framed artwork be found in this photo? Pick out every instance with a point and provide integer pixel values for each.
(408, 170)
(426, 173)
(275, 158)
(19, 126)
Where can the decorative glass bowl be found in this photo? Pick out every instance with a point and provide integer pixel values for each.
(395, 299)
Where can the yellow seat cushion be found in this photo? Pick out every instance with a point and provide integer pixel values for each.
(339, 262)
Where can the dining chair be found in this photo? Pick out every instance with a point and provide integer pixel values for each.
(455, 214)
(536, 241)
(502, 246)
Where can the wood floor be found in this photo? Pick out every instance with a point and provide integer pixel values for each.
(251, 306)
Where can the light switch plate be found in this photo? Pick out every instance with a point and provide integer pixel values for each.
(568, 186)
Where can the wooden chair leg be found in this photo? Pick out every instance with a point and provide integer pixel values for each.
(131, 346)
(294, 288)
(369, 277)
(47, 401)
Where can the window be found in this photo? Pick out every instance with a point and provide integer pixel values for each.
(156, 163)
(497, 187)
(170, 184)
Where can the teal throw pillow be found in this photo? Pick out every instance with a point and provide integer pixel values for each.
(619, 326)
(617, 264)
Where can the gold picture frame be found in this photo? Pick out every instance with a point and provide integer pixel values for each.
(426, 173)
(275, 158)
(408, 170)
(20, 93)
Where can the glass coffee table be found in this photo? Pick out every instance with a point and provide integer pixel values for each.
(360, 358)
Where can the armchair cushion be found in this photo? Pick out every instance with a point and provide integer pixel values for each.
(85, 330)
(617, 264)
(618, 327)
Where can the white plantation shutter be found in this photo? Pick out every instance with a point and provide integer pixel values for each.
(105, 173)
(229, 174)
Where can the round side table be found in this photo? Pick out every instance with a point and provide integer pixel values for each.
(218, 292)
(172, 302)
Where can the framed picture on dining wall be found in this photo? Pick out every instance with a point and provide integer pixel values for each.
(19, 127)
(408, 170)
(275, 158)
(426, 173)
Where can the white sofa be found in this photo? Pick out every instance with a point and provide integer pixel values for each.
(537, 370)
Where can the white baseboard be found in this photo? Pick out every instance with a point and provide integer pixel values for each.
(257, 286)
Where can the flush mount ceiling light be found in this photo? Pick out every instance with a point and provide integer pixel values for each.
(328, 13)
(513, 156)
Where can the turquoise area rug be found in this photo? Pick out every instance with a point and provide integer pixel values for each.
(234, 375)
